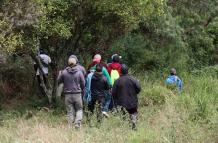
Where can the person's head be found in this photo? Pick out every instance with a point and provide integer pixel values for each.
(71, 62)
(99, 68)
(75, 57)
(116, 59)
(124, 69)
(41, 51)
(173, 71)
(97, 58)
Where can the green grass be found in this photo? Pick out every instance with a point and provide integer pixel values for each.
(164, 117)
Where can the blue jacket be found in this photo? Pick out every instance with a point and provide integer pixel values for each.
(174, 80)
(87, 93)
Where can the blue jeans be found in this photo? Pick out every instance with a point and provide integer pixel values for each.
(107, 101)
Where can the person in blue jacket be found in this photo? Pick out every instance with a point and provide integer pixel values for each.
(173, 80)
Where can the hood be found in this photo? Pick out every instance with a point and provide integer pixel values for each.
(97, 76)
(71, 70)
(75, 57)
(115, 65)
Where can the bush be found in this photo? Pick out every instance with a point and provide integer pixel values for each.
(16, 78)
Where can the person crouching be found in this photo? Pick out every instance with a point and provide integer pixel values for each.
(74, 83)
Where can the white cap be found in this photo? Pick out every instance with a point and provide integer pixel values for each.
(72, 61)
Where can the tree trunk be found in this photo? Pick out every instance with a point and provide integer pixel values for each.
(47, 89)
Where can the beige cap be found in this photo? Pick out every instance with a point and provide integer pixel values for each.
(72, 61)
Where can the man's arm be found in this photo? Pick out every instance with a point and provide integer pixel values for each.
(82, 81)
(60, 77)
(106, 74)
(137, 85)
(114, 89)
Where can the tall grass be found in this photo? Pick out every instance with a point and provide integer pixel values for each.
(164, 116)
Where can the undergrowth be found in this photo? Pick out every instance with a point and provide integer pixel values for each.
(164, 116)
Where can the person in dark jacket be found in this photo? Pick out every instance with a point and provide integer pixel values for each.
(99, 85)
(74, 83)
(125, 92)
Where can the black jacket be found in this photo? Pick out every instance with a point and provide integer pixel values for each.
(98, 84)
(125, 92)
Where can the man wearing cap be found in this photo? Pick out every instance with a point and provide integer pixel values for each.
(125, 92)
(173, 81)
(79, 67)
(74, 83)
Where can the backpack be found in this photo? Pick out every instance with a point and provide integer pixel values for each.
(87, 93)
(114, 75)
(174, 82)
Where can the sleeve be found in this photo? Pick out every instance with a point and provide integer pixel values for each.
(106, 84)
(82, 81)
(137, 85)
(49, 60)
(179, 84)
(106, 74)
(114, 89)
(83, 71)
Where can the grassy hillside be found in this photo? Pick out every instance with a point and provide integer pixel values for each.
(163, 117)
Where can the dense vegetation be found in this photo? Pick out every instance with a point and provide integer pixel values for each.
(151, 37)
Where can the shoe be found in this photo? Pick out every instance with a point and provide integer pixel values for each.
(105, 114)
(77, 126)
(134, 127)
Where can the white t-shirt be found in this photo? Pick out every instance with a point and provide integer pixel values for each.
(47, 60)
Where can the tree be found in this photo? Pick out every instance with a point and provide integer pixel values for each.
(62, 27)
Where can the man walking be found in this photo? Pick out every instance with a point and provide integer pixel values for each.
(125, 92)
(99, 85)
(74, 83)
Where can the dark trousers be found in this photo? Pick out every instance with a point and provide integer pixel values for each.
(133, 114)
(96, 100)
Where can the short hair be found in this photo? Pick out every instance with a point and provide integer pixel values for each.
(99, 68)
(124, 69)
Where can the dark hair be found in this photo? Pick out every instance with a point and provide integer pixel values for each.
(99, 68)
(124, 69)
(116, 59)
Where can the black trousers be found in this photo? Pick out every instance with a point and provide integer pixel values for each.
(96, 100)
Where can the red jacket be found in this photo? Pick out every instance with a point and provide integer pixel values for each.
(114, 66)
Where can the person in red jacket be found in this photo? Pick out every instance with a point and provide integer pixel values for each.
(115, 65)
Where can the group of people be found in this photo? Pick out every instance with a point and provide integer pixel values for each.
(102, 87)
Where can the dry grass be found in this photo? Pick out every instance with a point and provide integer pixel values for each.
(191, 117)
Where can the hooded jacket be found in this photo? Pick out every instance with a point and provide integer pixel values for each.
(73, 80)
(98, 84)
(105, 74)
(125, 91)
